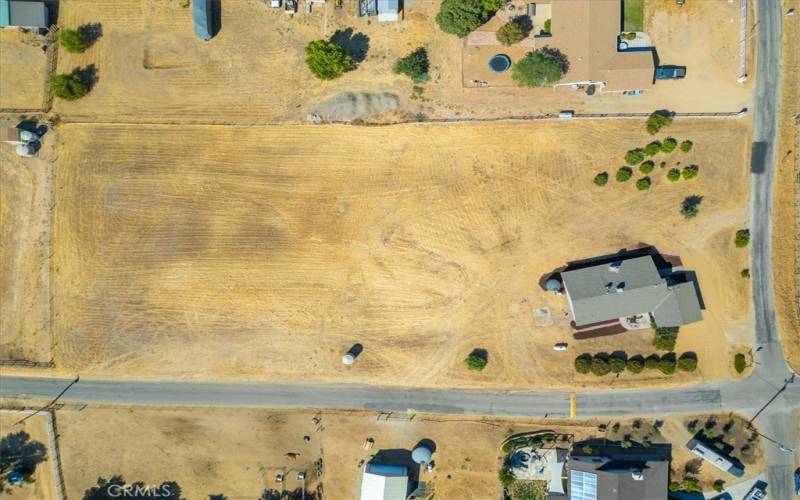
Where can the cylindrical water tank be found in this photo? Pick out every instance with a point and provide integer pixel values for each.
(421, 455)
(348, 359)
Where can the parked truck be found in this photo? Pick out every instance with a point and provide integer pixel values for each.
(670, 72)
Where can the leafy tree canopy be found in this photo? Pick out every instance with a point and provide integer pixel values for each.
(328, 60)
(538, 68)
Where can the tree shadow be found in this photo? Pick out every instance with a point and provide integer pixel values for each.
(563, 62)
(91, 32)
(480, 353)
(427, 443)
(525, 22)
(19, 454)
(355, 350)
(88, 75)
(355, 44)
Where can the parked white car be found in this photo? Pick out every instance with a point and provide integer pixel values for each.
(561, 346)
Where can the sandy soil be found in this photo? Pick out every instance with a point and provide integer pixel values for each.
(23, 69)
(237, 452)
(151, 67)
(36, 427)
(273, 245)
(25, 229)
(786, 219)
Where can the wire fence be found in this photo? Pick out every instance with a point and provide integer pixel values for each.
(26, 363)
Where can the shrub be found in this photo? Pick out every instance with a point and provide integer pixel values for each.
(687, 362)
(634, 156)
(719, 485)
(656, 122)
(669, 145)
(742, 238)
(492, 6)
(651, 363)
(72, 40)
(690, 206)
(587, 449)
(623, 174)
(617, 365)
(600, 366)
(461, 17)
(674, 486)
(634, 365)
(538, 69)
(665, 337)
(667, 365)
(646, 167)
(629, 36)
(68, 86)
(507, 447)
(745, 273)
(506, 476)
(739, 362)
(583, 363)
(547, 26)
(601, 179)
(673, 175)
(476, 361)
(690, 172)
(653, 148)
(414, 65)
(643, 184)
(328, 60)
(511, 32)
(686, 146)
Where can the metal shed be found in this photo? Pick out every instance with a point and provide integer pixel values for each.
(23, 14)
(388, 10)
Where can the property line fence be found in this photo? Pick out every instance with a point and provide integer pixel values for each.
(742, 40)
(26, 363)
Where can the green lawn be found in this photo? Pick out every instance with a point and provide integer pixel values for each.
(633, 15)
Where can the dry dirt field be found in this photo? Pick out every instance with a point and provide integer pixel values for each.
(43, 486)
(786, 221)
(23, 69)
(237, 452)
(25, 228)
(151, 67)
(264, 253)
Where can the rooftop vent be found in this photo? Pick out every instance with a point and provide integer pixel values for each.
(614, 267)
(637, 475)
(620, 287)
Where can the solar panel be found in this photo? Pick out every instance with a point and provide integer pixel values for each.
(583, 485)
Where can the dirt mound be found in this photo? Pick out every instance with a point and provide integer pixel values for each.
(349, 106)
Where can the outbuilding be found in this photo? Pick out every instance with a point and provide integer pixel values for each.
(29, 14)
(384, 482)
(388, 11)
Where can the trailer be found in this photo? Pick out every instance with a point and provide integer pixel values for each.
(290, 6)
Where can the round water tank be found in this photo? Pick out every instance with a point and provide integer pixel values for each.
(421, 455)
(348, 359)
(552, 285)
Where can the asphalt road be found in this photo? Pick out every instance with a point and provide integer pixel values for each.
(766, 385)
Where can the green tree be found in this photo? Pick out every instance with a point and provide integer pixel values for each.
(328, 60)
(651, 363)
(68, 86)
(690, 206)
(665, 337)
(492, 6)
(687, 363)
(669, 145)
(646, 167)
(511, 32)
(634, 156)
(624, 173)
(690, 171)
(475, 362)
(643, 184)
(461, 17)
(617, 365)
(72, 40)
(653, 148)
(600, 366)
(673, 175)
(745, 273)
(538, 69)
(583, 363)
(742, 238)
(719, 485)
(656, 122)
(667, 365)
(506, 476)
(739, 362)
(634, 365)
(686, 146)
(601, 179)
(415, 65)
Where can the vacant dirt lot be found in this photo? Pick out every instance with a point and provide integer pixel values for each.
(151, 67)
(265, 253)
(36, 429)
(23, 69)
(237, 452)
(25, 228)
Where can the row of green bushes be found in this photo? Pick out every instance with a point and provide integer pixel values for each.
(625, 173)
(602, 364)
(637, 155)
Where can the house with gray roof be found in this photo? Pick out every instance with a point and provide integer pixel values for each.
(600, 477)
(629, 287)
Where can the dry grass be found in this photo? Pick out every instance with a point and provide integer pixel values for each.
(151, 67)
(786, 228)
(23, 69)
(237, 452)
(25, 228)
(36, 427)
(220, 252)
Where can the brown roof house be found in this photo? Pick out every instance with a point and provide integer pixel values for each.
(586, 32)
